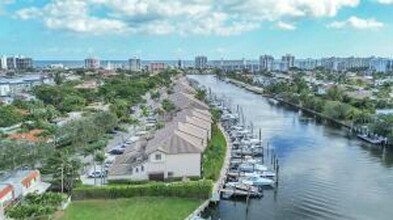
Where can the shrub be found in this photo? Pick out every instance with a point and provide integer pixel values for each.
(35, 205)
(214, 155)
(193, 189)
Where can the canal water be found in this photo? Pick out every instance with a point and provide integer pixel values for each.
(324, 174)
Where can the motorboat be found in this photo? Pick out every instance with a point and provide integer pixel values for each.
(268, 174)
(256, 181)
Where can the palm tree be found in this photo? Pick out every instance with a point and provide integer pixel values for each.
(100, 158)
(64, 169)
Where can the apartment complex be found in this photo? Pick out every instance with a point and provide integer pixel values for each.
(15, 63)
(92, 63)
(18, 86)
(135, 64)
(174, 151)
(157, 67)
(201, 62)
(268, 63)
(288, 61)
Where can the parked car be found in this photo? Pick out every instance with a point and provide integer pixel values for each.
(97, 174)
(132, 140)
(116, 151)
(141, 133)
(113, 132)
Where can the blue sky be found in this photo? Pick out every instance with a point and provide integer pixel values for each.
(172, 29)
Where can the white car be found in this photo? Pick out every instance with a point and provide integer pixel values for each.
(97, 174)
(132, 140)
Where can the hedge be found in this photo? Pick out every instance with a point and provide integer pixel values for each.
(168, 180)
(194, 189)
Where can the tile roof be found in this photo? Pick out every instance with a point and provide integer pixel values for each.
(31, 136)
(177, 142)
(183, 101)
(186, 133)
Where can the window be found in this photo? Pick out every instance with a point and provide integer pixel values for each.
(158, 156)
(142, 168)
(136, 170)
(170, 174)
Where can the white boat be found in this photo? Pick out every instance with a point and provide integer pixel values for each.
(256, 181)
(265, 174)
(268, 174)
(251, 167)
(260, 168)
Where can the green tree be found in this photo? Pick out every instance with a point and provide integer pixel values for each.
(9, 115)
(201, 95)
(64, 168)
(335, 94)
(168, 105)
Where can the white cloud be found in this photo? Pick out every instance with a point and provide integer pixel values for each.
(286, 26)
(4, 3)
(204, 17)
(357, 23)
(386, 2)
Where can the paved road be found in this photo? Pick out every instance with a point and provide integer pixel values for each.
(117, 140)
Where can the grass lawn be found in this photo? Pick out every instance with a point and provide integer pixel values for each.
(138, 208)
(214, 155)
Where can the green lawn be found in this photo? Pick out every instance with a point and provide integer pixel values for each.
(214, 155)
(145, 208)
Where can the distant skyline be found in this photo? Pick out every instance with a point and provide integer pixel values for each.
(173, 29)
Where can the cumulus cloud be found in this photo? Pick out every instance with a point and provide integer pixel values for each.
(357, 23)
(386, 2)
(203, 17)
(286, 26)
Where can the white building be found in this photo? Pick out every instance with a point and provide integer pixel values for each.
(3, 63)
(307, 64)
(201, 62)
(9, 87)
(236, 65)
(266, 63)
(135, 64)
(175, 151)
(92, 63)
(379, 64)
(288, 60)
(5, 89)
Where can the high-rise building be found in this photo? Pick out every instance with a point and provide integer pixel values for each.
(307, 64)
(92, 63)
(266, 63)
(17, 63)
(378, 64)
(289, 60)
(11, 62)
(3, 62)
(135, 64)
(201, 62)
(24, 63)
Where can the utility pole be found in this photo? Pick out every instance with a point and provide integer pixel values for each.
(62, 178)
